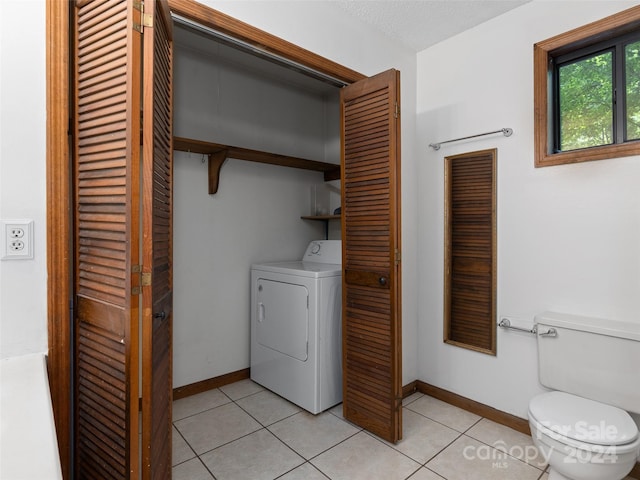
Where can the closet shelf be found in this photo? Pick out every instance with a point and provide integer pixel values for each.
(325, 219)
(321, 217)
(218, 153)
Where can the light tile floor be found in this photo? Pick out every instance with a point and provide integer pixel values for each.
(242, 431)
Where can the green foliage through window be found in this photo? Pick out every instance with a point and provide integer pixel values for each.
(586, 93)
(586, 102)
(632, 74)
(597, 95)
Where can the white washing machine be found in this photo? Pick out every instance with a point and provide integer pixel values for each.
(296, 311)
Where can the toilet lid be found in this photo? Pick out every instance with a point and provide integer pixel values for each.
(582, 419)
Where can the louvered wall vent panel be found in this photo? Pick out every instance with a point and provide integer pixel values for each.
(470, 251)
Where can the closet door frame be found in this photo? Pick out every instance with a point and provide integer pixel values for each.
(58, 174)
(59, 223)
(227, 25)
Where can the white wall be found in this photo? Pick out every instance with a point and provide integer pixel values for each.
(248, 186)
(316, 26)
(23, 283)
(221, 98)
(568, 236)
(254, 216)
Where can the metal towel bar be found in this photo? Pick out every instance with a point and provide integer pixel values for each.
(507, 132)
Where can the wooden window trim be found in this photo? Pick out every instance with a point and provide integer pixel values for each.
(475, 262)
(595, 32)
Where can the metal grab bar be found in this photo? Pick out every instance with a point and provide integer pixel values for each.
(506, 323)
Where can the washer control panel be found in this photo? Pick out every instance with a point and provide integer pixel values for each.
(324, 251)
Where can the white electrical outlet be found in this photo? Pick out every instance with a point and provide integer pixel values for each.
(17, 239)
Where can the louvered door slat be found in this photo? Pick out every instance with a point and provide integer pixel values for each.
(97, 14)
(157, 233)
(102, 430)
(106, 142)
(371, 313)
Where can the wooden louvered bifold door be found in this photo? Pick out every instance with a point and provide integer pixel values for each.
(470, 251)
(157, 295)
(106, 175)
(372, 389)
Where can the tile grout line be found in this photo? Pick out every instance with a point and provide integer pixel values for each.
(413, 473)
(188, 445)
(498, 450)
(323, 451)
(444, 424)
(173, 421)
(206, 468)
(272, 423)
(383, 442)
(442, 450)
(262, 427)
(266, 427)
(332, 446)
(231, 441)
(305, 462)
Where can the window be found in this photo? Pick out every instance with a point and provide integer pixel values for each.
(587, 92)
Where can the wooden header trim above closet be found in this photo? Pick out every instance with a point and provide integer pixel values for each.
(218, 154)
(260, 39)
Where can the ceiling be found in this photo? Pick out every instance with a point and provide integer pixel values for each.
(418, 24)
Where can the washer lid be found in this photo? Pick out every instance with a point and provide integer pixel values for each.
(582, 419)
(301, 269)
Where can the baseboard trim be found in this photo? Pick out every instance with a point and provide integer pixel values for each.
(498, 416)
(209, 384)
(410, 389)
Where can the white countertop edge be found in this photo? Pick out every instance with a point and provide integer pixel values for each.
(28, 444)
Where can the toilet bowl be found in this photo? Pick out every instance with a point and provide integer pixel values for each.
(582, 439)
(582, 428)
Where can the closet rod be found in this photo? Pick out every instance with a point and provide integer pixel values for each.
(506, 131)
(258, 52)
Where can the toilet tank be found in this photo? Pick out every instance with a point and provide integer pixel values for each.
(591, 357)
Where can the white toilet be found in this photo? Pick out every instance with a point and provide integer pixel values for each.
(582, 428)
